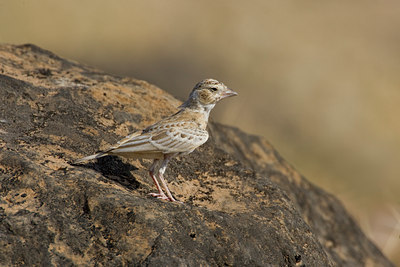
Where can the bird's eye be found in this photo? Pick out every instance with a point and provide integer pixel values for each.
(213, 89)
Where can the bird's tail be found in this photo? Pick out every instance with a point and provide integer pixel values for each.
(95, 156)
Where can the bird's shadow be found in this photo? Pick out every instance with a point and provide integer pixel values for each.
(114, 169)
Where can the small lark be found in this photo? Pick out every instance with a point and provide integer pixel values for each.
(179, 134)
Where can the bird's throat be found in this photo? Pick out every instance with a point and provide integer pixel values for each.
(206, 110)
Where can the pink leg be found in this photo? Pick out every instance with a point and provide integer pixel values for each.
(160, 193)
(161, 176)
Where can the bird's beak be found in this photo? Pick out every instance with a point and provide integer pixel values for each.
(227, 93)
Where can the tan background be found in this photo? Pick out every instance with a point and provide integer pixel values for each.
(319, 79)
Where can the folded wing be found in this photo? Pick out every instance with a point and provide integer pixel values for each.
(167, 138)
(179, 139)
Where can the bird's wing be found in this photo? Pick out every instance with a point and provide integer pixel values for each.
(167, 137)
(128, 138)
(136, 142)
(178, 137)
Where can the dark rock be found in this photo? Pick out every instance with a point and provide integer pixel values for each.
(244, 204)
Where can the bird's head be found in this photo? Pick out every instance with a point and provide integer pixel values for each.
(209, 92)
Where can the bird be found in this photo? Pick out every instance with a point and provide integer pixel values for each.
(178, 134)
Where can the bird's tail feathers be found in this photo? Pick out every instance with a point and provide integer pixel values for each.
(94, 156)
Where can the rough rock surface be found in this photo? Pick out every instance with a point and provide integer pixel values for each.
(244, 204)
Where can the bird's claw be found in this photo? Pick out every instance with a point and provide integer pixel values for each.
(164, 197)
(160, 196)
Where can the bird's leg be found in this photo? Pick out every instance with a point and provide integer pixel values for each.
(161, 176)
(152, 172)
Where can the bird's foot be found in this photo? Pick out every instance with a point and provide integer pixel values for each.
(160, 196)
(174, 200)
(164, 197)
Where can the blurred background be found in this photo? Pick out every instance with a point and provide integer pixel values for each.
(319, 79)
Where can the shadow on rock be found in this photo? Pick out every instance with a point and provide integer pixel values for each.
(115, 169)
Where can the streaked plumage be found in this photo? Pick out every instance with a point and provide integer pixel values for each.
(178, 134)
